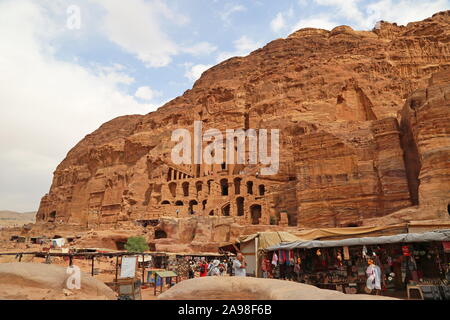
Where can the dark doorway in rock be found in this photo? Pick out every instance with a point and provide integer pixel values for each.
(448, 209)
(160, 234)
(185, 187)
(249, 187)
(226, 210)
(262, 189)
(52, 216)
(169, 174)
(165, 202)
(255, 211)
(224, 186)
(173, 189)
(211, 213)
(351, 225)
(198, 187)
(120, 244)
(204, 202)
(179, 203)
(240, 206)
(192, 203)
(237, 185)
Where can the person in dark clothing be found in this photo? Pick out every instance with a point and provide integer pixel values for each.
(230, 267)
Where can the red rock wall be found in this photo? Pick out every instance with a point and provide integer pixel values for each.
(426, 123)
(334, 95)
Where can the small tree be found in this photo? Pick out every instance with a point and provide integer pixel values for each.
(136, 244)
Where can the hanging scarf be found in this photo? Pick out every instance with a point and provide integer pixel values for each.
(291, 255)
(275, 259)
(282, 257)
(364, 252)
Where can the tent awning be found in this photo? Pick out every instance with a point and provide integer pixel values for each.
(267, 239)
(437, 235)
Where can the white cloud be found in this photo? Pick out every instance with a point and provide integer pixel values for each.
(47, 105)
(230, 9)
(348, 9)
(402, 11)
(136, 26)
(114, 74)
(202, 48)
(147, 93)
(320, 22)
(278, 23)
(193, 72)
(363, 15)
(243, 46)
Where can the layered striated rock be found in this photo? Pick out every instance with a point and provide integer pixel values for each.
(425, 121)
(335, 96)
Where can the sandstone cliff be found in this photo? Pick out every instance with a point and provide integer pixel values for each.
(347, 152)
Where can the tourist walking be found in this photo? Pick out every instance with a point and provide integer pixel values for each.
(230, 267)
(214, 270)
(203, 268)
(191, 271)
(239, 266)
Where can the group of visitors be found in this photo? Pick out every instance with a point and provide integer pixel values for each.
(226, 267)
(292, 270)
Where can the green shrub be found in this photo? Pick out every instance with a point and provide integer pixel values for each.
(273, 220)
(136, 244)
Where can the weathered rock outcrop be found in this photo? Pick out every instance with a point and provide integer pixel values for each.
(38, 281)
(425, 122)
(241, 288)
(335, 96)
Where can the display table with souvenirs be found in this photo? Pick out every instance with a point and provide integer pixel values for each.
(396, 269)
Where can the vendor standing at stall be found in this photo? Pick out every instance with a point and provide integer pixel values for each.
(373, 277)
(265, 267)
(239, 265)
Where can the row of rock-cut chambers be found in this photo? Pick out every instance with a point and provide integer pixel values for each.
(238, 197)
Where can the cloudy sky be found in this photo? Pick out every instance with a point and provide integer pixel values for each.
(68, 66)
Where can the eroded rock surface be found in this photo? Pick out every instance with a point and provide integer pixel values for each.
(347, 153)
(240, 288)
(38, 281)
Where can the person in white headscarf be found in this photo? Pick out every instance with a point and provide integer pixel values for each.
(373, 277)
(214, 271)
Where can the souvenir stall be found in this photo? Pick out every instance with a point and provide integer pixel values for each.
(404, 261)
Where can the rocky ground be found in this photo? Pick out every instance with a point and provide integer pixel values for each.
(240, 288)
(37, 281)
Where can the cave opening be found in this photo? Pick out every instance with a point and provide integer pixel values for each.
(262, 190)
(249, 187)
(192, 203)
(173, 189)
(255, 213)
(237, 185)
(240, 206)
(52, 216)
(120, 244)
(226, 210)
(224, 186)
(160, 234)
(185, 187)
